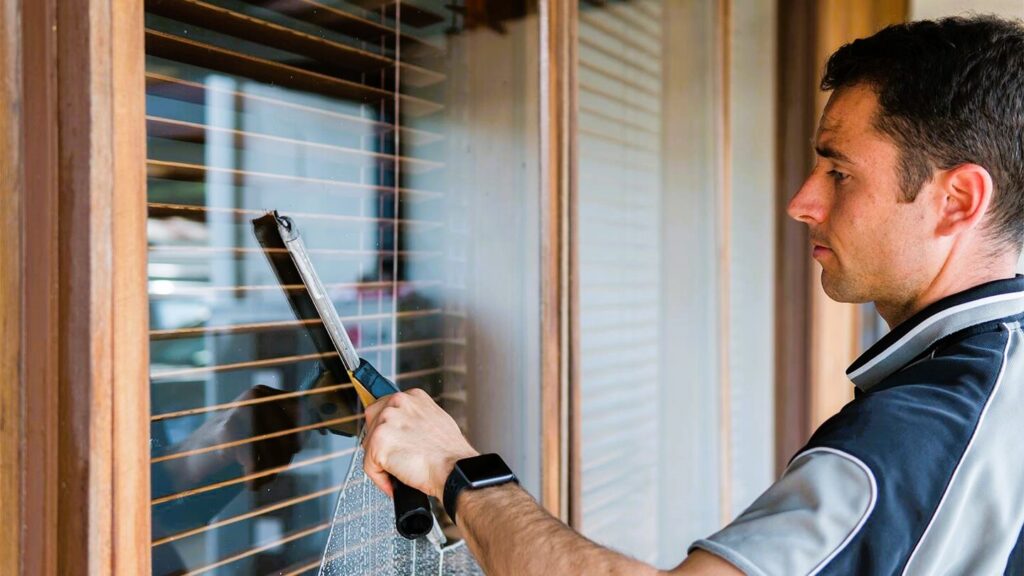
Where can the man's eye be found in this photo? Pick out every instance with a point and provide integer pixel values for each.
(838, 176)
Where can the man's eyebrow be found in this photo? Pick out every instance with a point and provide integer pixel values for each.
(826, 151)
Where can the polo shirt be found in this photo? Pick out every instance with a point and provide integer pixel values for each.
(923, 472)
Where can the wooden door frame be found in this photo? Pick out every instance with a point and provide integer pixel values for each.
(560, 418)
(75, 217)
(12, 196)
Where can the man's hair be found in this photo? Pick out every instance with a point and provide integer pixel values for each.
(950, 92)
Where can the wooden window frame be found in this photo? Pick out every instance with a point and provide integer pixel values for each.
(75, 219)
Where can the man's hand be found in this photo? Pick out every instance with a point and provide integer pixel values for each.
(409, 436)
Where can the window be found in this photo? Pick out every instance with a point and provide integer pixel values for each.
(401, 138)
(676, 193)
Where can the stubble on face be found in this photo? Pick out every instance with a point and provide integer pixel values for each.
(872, 235)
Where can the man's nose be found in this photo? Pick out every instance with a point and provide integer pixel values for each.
(808, 205)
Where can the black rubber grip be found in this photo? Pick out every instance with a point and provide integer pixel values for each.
(412, 508)
(412, 511)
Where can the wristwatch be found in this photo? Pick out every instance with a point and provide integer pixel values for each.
(474, 473)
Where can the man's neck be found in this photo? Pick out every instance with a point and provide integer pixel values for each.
(944, 284)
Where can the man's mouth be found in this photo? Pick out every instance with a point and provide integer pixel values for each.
(820, 251)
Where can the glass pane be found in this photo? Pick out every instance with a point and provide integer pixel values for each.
(400, 137)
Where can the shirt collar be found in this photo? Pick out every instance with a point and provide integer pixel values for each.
(983, 303)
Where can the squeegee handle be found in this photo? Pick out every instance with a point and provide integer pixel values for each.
(412, 511)
(413, 517)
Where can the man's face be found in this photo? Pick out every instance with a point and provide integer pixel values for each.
(871, 246)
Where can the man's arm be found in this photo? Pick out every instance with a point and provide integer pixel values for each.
(409, 436)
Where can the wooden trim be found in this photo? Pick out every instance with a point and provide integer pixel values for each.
(559, 444)
(40, 298)
(102, 327)
(797, 85)
(724, 96)
(12, 193)
(571, 304)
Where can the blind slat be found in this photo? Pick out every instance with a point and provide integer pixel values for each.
(250, 402)
(196, 172)
(196, 93)
(328, 52)
(247, 477)
(197, 134)
(247, 515)
(639, 66)
(243, 214)
(258, 549)
(627, 122)
(187, 251)
(257, 438)
(291, 359)
(619, 35)
(412, 14)
(181, 49)
(211, 290)
(349, 24)
(650, 89)
(630, 105)
(192, 332)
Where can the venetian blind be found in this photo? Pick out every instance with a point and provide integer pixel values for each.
(328, 111)
(620, 197)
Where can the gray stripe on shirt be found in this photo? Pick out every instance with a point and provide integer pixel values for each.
(802, 521)
(980, 515)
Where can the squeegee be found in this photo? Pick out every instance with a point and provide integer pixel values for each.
(287, 255)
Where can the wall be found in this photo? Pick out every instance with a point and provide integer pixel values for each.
(924, 9)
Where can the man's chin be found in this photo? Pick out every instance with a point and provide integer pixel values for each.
(841, 290)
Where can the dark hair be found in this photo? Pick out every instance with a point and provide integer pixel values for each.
(950, 92)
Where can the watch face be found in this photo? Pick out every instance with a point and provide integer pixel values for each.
(484, 467)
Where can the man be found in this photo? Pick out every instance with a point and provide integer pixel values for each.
(916, 203)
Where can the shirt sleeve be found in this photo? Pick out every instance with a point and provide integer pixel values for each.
(802, 521)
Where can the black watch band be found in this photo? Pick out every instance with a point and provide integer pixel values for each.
(474, 473)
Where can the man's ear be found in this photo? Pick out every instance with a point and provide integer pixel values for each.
(964, 194)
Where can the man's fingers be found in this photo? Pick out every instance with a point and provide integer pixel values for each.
(373, 467)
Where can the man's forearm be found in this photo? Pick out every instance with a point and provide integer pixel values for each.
(510, 534)
(409, 436)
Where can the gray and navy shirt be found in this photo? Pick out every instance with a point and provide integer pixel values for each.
(923, 472)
